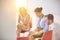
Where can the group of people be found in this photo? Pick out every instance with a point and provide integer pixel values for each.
(42, 24)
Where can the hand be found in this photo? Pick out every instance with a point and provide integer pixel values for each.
(40, 33)
(37, 32)
(19, 26)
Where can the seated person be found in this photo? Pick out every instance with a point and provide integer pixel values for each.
(50, 21)
(52, 26)
(40, 25)
(23, 21)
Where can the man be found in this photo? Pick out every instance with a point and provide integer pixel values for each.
(39, 26)
(50, 21)
(53, 26)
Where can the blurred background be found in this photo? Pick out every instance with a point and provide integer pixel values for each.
(8, 14)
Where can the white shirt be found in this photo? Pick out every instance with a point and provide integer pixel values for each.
(51, 26)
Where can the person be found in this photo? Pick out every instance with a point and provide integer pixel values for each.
(23, 21)
(50, 21)
(53, 26)
(39, 26)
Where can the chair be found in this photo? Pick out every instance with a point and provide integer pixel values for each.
(47, 35)
(22, 38)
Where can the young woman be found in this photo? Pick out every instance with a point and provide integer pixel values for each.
(23, 21)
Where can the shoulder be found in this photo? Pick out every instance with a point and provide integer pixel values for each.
(51, 26)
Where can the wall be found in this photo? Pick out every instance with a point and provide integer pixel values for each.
(48, 5)
(7, 20)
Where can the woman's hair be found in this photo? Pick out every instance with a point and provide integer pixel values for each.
(22, 9)
(38, 9)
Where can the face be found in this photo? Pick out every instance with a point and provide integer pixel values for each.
(48, 21)
(38, 14)
(23, 12)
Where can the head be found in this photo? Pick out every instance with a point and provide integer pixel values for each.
(38, 11)
(22, 11)
(49, 19)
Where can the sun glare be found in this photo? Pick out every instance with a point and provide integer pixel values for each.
(21, 3)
